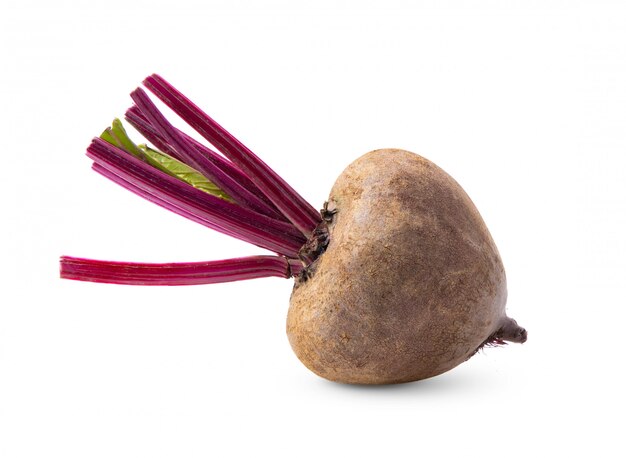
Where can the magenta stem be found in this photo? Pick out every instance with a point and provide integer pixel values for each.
(174, 274)
(138, 120)
(264, 210)
(214, 212)
(201, 163)
(143, 126)
(295, 208)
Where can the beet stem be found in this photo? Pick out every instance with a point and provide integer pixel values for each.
(174, 274)
(191, 156)
(264, 210)
(137, 120)
(285, 198)
(214, 212)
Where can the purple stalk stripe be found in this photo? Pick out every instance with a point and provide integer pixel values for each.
(224, 216)
(285, 198)
(174, 274)
(137, 120)
(188, 151)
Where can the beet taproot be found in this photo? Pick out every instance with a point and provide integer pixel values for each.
(396, 278)
(411, 283)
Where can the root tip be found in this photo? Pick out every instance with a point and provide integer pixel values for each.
(510, 331)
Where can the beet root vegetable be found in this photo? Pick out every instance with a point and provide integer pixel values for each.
(396, 279)
(411, 283)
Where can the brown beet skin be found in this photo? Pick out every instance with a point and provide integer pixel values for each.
(411, 283)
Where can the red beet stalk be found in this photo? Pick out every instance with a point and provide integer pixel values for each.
(193, 157)
(261, 208)
(139, 122)
(283, 196)
(216, 213)
(174, 274)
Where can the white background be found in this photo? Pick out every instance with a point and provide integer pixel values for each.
(523, 102)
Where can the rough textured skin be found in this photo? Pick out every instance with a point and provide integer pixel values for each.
(411, 284)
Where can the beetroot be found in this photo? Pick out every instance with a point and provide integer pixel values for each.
(411, 283)
(396, 279)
